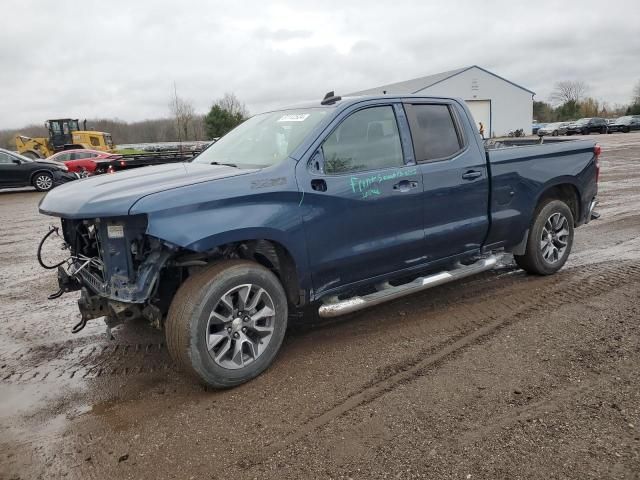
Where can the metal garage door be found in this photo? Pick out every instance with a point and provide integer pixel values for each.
(481, 111)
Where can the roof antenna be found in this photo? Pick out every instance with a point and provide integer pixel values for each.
(330, 98)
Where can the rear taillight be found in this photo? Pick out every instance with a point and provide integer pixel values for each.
(597, 150)
(123, 163)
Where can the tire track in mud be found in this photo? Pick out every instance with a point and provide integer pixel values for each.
(99, 357)
(553, 402)
(467, 311)
(91, 361)
(602, 279)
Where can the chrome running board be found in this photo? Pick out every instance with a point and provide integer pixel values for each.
(333, 307)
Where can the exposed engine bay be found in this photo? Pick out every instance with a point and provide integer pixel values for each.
(123, 273)
(115, 265)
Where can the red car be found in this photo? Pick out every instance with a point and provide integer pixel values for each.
(85, 162)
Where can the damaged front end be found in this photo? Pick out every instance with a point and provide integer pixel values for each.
(116, 266)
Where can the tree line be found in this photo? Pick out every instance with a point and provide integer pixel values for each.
(183, 124)
(570, 101)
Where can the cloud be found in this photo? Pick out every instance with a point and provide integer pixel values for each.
(282, 34)
(120, 59)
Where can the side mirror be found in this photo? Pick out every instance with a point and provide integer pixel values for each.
(17, 161)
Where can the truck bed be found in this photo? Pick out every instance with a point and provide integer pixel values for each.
(520, 173)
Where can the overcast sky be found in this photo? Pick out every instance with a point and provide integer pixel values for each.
(119, 59)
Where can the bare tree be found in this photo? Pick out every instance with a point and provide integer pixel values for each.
(183, 113)
(233, 105)
(635, 99)
(569, 91)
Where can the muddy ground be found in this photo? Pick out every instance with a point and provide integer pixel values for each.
(503, 375)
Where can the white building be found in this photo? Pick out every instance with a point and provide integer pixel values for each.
(501, 105)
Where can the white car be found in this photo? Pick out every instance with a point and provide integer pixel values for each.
(553, 129)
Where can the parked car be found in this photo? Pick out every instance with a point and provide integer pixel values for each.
(340, 204)
(19, 171)
(625, 124)
(585, 126)
(85, 162)
(536, 127)
(553, 129)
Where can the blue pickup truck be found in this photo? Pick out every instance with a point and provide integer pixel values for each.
(341, 204)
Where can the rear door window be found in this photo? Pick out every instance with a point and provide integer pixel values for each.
(367, 140)
(434, 131)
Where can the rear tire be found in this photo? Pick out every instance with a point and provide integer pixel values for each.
(550, 239)
(43, 181)
(221, 345)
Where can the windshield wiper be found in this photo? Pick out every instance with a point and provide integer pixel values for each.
(225, 164)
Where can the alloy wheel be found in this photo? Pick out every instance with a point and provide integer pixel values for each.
(240, 326)
(554, 238)
(44, 182)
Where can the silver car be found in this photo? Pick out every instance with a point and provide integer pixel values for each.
(554, 129)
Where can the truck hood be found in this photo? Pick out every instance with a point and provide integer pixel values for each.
(113, 195)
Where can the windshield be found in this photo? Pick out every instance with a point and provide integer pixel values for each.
(626, 119)
(263, 140)
(582, 121)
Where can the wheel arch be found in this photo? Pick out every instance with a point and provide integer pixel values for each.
(36, 172)
(566, 192)
(277, 258)
(270, 252)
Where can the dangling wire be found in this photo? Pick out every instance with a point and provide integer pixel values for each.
(51, 231)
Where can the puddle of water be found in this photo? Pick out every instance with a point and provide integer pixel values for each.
(29, 411)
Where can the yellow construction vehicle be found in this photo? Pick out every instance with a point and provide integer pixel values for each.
(64, 134)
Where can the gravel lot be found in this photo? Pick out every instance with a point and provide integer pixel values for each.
(503, 375)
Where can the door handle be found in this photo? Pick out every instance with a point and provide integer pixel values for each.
(319, 185)
(405, 185)
(471, 175)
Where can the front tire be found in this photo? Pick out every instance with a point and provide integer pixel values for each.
(226, 324)
(43, 181)
(550, 239)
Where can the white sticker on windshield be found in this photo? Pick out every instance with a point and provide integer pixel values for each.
(294, 117)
